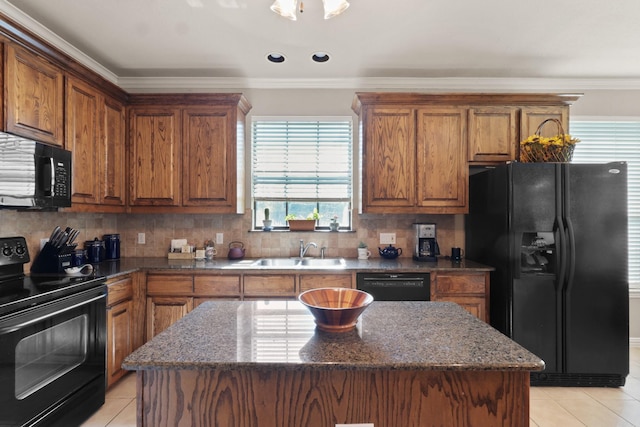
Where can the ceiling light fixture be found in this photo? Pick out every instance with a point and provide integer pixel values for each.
(320, 57)
(288, 8)
(276, 58)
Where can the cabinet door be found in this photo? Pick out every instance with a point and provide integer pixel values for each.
(217, 285)
(474, 305)
(388, 151)
(155, 157)
(34, 97)
(470, 290)
(493, 134)
(163, 312)
(442, 170)
(112, 156)
(209, 157)
(120, 340)
(82, 140)
(532, 117)
(314, 281)
(169, 284)
(269, 285)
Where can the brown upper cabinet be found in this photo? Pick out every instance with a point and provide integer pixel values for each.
(532, 117)
(186, 153)
(83, 140)
(34, 101)
(493, 133)
(416, 148)
(154, 147)
(95, 135)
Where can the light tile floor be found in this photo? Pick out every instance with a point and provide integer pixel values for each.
(550, 406)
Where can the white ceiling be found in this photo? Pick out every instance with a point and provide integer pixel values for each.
(374, 39)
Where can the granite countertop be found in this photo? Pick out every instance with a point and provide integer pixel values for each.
(373, 264)
(282, 334)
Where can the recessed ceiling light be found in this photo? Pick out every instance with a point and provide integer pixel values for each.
(276, 58)
(320, 57)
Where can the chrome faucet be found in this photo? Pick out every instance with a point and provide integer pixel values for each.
(303, 248)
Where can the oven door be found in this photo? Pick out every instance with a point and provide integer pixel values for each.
(50, 356)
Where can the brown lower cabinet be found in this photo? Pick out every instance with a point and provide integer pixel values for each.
(469, 290)
(269, 285)
(162, 312)
(120, 326)
(172, 295)
(314, 281)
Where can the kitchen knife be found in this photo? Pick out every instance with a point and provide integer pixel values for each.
(54, 233)
(55, 236)
(73, 236)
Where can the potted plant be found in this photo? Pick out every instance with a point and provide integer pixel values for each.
(334, 224)
(363, 251)
(266, 222)
(300, 224)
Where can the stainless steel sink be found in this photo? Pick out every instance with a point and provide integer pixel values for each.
(322, 262)
(276, 262)
(299, 263)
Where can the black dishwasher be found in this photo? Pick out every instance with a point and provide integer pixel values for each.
(395, 286)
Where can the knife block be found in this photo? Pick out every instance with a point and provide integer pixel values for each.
(52, 260)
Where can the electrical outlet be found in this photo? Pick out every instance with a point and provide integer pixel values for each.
(141, 238)
(219, 238)
(387, 238)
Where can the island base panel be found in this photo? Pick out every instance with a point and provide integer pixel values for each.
(323, 398)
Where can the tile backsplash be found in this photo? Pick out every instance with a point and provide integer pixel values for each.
(159, 229)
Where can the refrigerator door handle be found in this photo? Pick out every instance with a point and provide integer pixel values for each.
(570, 255)
(561, 253)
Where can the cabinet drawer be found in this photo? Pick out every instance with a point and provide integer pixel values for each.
(314, 281)
(277, 284)
(225, 286)
(460, 284)
(169, 284)
(119, 290)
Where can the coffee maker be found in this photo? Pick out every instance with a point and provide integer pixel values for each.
(426, 247)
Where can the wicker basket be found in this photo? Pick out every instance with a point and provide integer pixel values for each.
(536, 152)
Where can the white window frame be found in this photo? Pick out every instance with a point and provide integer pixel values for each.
(258, 215)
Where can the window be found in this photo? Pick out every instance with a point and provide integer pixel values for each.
(615, 140)
(300, 164)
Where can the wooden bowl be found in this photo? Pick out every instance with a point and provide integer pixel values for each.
(335, 309)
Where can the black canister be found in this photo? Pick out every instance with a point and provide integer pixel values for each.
(95, 250)
(112, 246)
(79, 257)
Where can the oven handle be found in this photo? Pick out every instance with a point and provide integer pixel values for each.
(55, 313)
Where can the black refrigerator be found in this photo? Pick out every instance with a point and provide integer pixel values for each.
(556, 234)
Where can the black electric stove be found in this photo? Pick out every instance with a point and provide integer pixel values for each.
(53, 334)
(19, 291)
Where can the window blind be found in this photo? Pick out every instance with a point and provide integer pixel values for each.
(615, 140)
(302, 159)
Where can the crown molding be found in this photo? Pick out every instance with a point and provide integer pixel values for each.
(147, 84)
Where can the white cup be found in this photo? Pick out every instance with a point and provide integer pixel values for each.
(363, 253)
(210, 252)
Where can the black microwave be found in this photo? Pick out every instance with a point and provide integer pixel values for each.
(33, 175)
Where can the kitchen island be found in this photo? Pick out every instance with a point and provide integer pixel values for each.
(264, 364)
